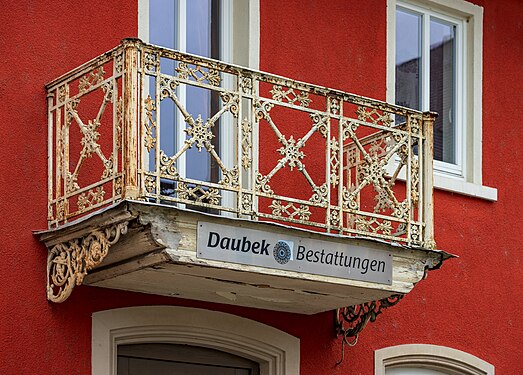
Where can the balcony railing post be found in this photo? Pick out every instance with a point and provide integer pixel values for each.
(130, 121)
(50, 156)
(428, 179)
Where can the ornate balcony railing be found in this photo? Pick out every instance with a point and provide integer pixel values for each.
(146, 123)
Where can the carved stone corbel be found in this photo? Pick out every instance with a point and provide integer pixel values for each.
(68, 262)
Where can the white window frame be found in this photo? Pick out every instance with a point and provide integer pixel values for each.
(466, 176)
(434, 357)
(277, 352)
(450, 169)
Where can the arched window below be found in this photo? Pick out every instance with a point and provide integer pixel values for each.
(424, 359)
(195, 340)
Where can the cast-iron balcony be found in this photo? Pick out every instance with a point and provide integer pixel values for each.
(140, 121)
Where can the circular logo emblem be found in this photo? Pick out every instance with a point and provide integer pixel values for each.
(282, 252)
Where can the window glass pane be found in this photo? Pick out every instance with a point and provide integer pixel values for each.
(199, 106)
(199, 27)
(442, 87)
(408, 59)
(199, 100)
(162, 14)
(200, 37)
(163, 32)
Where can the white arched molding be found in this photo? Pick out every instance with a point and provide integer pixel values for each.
(277, 352)
(434, 357)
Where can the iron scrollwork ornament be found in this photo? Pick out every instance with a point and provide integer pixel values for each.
(351, 320)
(69, 262)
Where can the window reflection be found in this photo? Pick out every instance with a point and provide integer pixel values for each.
(442, 66)
(408, 59)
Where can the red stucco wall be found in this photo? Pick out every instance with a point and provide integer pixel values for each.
(472, 304)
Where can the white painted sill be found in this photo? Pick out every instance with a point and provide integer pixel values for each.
(460, 186)
(457, 184)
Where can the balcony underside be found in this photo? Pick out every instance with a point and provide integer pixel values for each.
(152, 248)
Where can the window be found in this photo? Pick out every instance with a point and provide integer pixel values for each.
(427, 59)
(226, 30)
(435, 63)
(194, 27)
(157, 331)
(423, 359)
